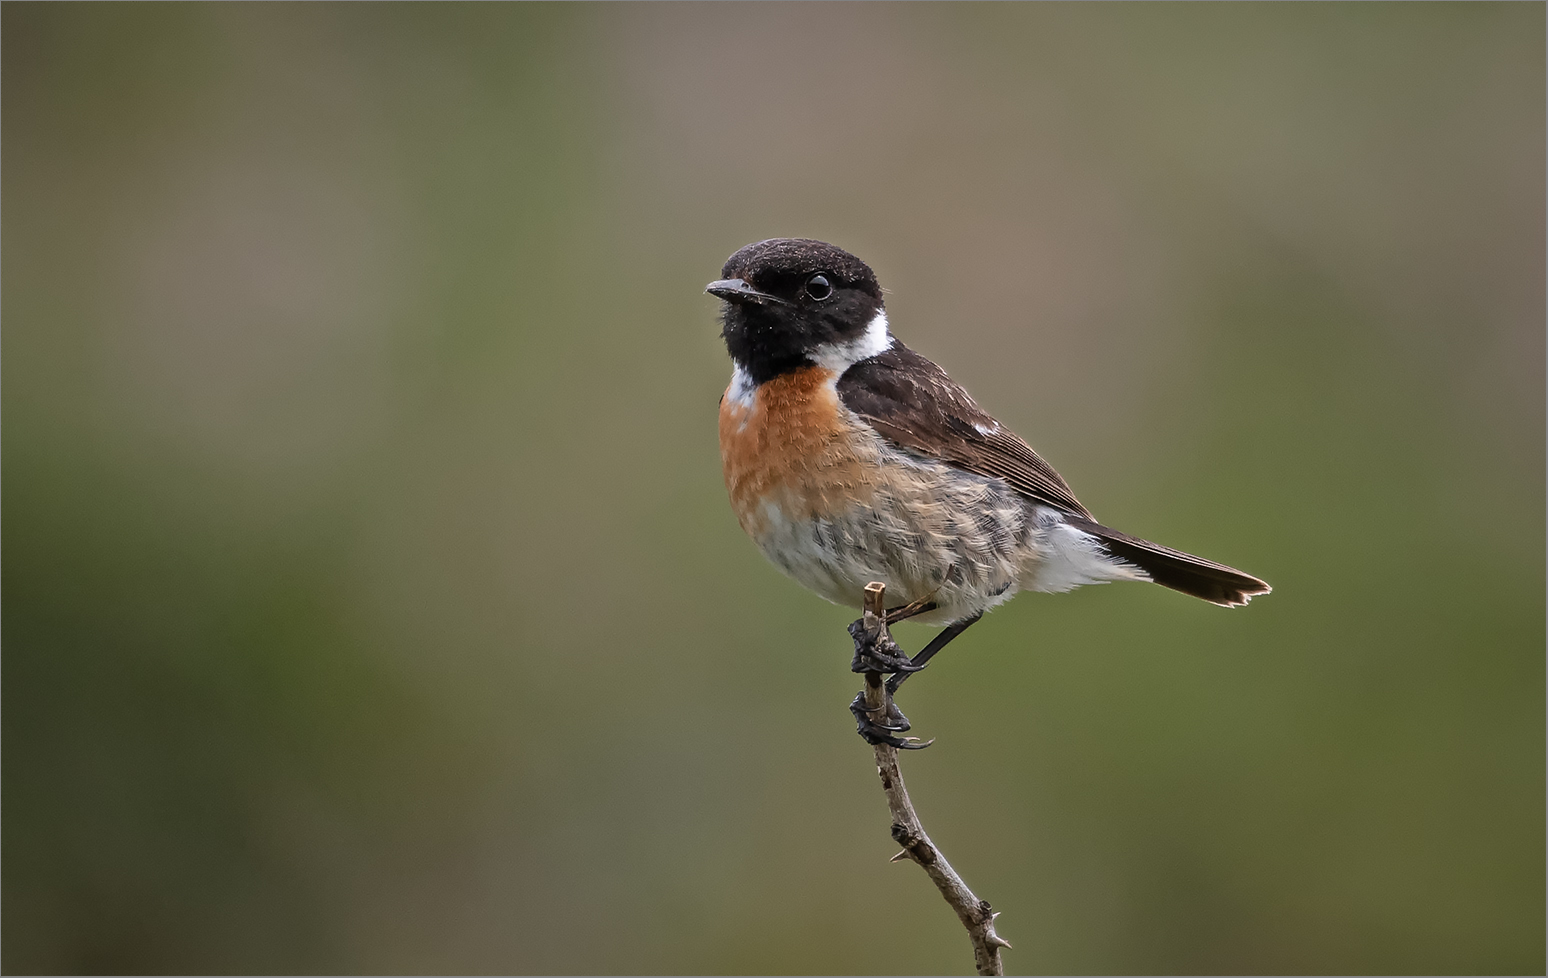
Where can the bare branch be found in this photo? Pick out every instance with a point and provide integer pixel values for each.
(976, 915)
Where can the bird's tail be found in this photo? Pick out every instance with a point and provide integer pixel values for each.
(1215, 583)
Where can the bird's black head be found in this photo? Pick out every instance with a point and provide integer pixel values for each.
(791, 302)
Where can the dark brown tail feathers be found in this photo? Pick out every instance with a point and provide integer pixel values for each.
(1215, 583)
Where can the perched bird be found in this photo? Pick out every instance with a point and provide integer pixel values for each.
(850, 458)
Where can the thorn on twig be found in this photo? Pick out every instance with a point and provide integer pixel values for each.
(899, 857)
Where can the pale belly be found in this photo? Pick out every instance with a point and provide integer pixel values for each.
(927, 532)
(835, 506)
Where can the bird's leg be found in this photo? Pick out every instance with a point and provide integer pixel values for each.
(876, 653)
(878, 650)
(940, 641)
(895, 718)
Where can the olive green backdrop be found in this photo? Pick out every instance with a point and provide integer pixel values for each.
(371, 602)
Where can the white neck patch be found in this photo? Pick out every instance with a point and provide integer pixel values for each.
(742, 387)
(839, 357)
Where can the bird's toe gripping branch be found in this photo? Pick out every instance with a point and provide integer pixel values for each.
(875, 651)
(881, 731)
(877, 719)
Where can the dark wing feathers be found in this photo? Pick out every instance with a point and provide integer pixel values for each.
(912, 403)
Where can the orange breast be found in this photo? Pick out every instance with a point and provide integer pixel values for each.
(793, 451)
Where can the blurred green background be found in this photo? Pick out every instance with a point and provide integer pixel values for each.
(371, 602)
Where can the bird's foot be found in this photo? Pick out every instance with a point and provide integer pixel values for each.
(881, 731)
(875, 651)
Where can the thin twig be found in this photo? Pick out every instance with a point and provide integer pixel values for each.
(975, 914)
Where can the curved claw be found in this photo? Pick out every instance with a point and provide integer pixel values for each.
(872, 662)
(901, 743)
(880, 732)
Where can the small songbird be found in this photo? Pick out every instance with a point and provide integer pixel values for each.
(849, 458)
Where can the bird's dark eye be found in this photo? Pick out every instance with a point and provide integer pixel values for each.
(818, 288)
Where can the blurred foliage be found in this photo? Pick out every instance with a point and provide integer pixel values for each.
(371, 602)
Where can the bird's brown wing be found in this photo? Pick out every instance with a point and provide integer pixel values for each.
(912, 403)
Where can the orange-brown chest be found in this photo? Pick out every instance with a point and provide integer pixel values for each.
(790, 451)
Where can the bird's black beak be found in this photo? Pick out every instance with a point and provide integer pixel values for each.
(736, 290)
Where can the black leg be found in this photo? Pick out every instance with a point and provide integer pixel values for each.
(937, 643)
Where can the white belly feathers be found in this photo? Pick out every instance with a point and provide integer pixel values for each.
(836, 506)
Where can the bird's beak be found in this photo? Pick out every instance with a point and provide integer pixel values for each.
(737, 290)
